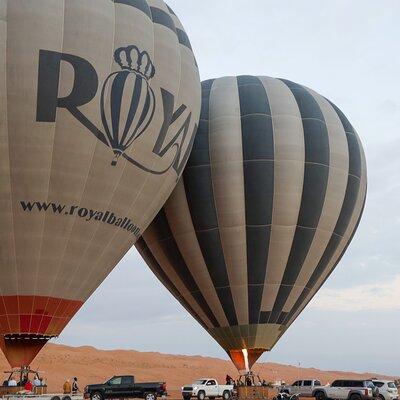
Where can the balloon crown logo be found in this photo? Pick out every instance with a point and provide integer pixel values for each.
(132, 59)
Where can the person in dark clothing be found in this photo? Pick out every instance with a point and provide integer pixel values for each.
(75, 388)
(228, 380)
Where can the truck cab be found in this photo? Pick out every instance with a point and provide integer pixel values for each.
(304, 387)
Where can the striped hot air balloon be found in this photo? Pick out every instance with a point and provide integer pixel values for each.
(269, 201)
(79, 80)
(123, 125)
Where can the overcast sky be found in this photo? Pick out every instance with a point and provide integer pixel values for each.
(349, 51)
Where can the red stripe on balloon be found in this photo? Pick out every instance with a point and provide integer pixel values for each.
(38, 315)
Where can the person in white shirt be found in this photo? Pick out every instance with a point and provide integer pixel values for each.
(12, 382)
(37, 382)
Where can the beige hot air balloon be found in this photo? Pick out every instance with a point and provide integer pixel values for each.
(269, 202)
(99, 102)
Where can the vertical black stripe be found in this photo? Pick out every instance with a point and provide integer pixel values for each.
(258, 168)
(346, 212)
(139, 4)
(183, 38)
(163, 18)
(147, 255)
(316, 175)
(171, 251)
(200, 196)
(354, 148)
(137, 91)
(117, 92)
(306, 291)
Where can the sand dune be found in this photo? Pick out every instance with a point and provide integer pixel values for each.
(91, 365)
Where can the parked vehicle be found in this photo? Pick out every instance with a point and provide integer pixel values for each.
(387, 389)
(344, 389)
(125, 387)
(305, 388)
(207, 387)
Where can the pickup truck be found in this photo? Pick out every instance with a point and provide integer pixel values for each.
(305, 388)
(207, 387)
(346, 389)
(125, 387)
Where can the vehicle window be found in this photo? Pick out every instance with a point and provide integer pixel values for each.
(378, 384)
(200, 382)
(317, 383)
(211, 383)
(369, 384)
(115, 381)
(336, 383)
(392, 385)
(297, 383)
(127, 380)
(307, 383)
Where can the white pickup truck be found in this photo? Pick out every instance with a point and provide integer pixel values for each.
(207, 387)
(305, 388)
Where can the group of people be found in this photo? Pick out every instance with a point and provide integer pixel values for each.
(68, 388)
(28, 385)
(247, 382)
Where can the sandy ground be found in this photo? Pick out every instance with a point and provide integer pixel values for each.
(91, 365)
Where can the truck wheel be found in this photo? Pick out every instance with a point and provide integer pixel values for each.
(55, 398)
(320, 396)
(201, 395)
(226, 395)
(96, 396)
(149, 396)
(66, 398)
(355, 397)
(381, 397)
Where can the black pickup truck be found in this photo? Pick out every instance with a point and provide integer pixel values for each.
(123, 387)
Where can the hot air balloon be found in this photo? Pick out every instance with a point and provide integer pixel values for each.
(268, 203)
(83, 84)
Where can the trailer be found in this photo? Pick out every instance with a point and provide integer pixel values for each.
(48, 396)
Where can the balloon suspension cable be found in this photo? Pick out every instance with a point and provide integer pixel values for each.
(246, 360)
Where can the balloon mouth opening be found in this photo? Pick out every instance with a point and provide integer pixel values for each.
(244, 359)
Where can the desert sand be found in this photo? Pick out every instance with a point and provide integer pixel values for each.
(91, 365)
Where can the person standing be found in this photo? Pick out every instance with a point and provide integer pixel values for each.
(37, 382)
(75, 388)
(67, 387)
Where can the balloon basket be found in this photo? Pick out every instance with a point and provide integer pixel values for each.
(20, 375)
(255, 393)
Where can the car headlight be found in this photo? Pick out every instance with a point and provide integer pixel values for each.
(195, 388)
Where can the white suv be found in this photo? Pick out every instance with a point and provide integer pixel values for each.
(387, 389)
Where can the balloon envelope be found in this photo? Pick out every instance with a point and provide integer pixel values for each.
(268, 203)
(99, 102)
